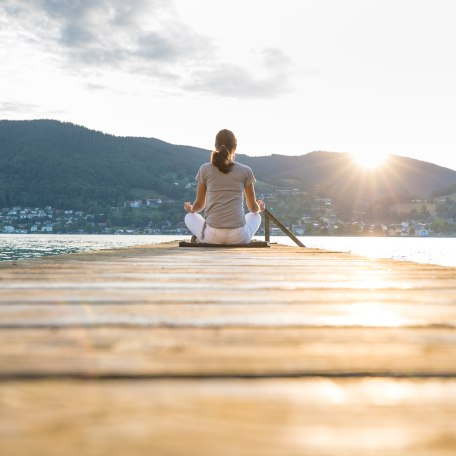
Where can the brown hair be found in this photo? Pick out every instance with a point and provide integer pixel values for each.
(225, 145)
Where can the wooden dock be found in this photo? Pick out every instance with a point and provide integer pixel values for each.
(161, 350)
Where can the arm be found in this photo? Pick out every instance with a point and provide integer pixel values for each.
(253, 204)
(200, 201)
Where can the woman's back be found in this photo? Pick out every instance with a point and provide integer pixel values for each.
(225, 194)
(222, 184)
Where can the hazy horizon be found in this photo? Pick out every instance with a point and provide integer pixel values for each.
(362, 76)
(209, 149)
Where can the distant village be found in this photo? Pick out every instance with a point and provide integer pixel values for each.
(328, 224)
(155, 216)
(26, 220)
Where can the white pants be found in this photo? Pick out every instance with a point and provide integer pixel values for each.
(242, 235)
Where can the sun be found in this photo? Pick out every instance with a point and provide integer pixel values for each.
(369, 161)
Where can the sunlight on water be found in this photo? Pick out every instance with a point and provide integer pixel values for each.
(23, 246)
(440, 251)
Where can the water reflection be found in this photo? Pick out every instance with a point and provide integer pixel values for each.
(15, 247)
(440, 251)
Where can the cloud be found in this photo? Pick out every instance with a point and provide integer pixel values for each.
(237, 81)
(119, 32)
(275, 58)
(144, 38)
(88, 23)
(13, 107)
(108, 31)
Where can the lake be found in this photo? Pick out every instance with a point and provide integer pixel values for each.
(440, 251)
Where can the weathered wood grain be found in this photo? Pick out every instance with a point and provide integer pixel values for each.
(324, 417)
(253, 314)
(283, 351)
(225, 352)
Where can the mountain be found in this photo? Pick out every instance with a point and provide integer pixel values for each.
(46, 162)
(335, 174)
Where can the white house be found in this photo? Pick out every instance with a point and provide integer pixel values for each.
(135, 203)
(422, 232)
(153, 202)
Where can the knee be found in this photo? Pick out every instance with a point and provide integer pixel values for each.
(253, 221)
(253, 217)
(193, 220)
(189, 217)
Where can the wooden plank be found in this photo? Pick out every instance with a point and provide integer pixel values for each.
(305, 271)
(324, 267)
(159, 350)
(365, 314)
(224, 352)
(258, 417)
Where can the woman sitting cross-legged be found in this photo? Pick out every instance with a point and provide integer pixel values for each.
(221, 187)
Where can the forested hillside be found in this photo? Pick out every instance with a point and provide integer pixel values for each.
(63, 165)
(46, 162)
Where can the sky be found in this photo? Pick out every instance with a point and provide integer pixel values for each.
(289, 77)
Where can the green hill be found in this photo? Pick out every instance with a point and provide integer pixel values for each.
(46, 162)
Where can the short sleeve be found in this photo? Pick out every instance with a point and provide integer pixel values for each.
(201, 176)
(249, 177)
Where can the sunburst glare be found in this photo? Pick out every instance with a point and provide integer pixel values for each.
(369, 161)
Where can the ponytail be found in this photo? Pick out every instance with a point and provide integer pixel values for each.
(225, 145)
(221, 159)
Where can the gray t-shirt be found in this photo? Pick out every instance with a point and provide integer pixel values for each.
(225, 194)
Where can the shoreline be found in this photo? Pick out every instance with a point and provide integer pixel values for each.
(440, 251)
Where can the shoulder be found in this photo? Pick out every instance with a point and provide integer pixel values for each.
(243, 167)
(203, 172)
(205, 168)
(244, 173)
(243, 170)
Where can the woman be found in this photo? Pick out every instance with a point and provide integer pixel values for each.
(221, 187)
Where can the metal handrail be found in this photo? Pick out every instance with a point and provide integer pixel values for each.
(270, 217)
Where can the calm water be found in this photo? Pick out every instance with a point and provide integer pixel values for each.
(20, 246)
(420, 250)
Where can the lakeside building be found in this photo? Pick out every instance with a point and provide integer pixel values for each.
(153, 216)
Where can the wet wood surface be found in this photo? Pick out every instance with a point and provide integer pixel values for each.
(166, 350)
